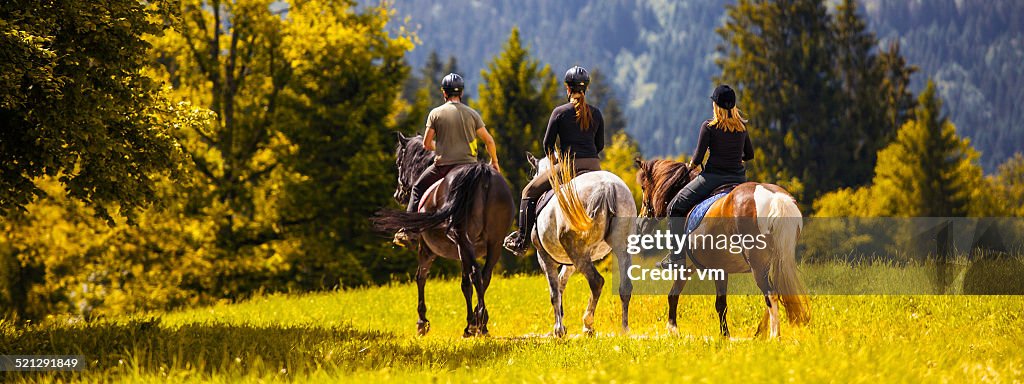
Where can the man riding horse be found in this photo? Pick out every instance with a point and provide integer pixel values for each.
(452, 131)
(578, 128)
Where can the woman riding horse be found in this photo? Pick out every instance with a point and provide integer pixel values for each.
(725, 136)
(578, 128)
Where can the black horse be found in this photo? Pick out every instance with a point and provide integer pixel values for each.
(466, 214)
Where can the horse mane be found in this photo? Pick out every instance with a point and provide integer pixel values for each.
(664, 179)
(417, 159)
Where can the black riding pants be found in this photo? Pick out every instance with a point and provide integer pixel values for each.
(700, 188)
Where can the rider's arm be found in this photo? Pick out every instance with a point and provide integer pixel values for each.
(703, 141)
(428, 139)
(748, 149)
(599, 135)
(492, 150)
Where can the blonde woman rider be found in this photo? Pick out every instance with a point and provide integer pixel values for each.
(725, 137)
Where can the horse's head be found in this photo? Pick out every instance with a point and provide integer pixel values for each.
(411, 158)
(659, 182)
(537, 165)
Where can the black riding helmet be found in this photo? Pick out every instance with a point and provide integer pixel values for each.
(724, 97)
(577, 79)
(453, 84)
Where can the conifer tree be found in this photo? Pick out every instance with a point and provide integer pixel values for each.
(515, 100)
(928, 170)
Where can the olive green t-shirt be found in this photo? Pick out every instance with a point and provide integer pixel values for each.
(455, 126)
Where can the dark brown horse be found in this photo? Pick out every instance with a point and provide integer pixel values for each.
(750, 209)
(466, 214)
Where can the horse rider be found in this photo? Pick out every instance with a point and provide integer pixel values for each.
(725, 137)
(578, 128)
(452, 131)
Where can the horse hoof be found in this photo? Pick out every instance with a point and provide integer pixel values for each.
(589, 332)
(422, 328)
(673, 330)
(625, 330)
(558, 332)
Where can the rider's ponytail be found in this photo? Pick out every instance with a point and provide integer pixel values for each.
(583, 115)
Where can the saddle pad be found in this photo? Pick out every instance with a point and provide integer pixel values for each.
(547, 196)
(698, 212)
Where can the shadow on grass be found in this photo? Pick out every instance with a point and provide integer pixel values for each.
(143, 348)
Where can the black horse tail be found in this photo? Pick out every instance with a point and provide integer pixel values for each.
(455, 211)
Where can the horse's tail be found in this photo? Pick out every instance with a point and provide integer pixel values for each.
(782, 224)
(568, 198)
(456, 208)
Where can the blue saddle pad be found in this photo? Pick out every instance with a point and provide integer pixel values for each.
(698, 212)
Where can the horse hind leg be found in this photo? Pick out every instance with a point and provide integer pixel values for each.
(493, 255)
(596, 282)
(425, 261)
(470, 278)
(760, 271)
(721, 304)
(563, 277)
(550, 268)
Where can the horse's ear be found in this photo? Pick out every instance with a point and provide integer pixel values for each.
(639, 162)
(401, 138)
(531, 159)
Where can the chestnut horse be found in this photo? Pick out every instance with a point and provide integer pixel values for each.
(751, 208)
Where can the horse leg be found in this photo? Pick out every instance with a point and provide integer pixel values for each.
(470, 276)
(550, 268)
(563, 277)
(493, 255)
(771, 300)
(425, 260)
(721, 305)
(596, 285)
(625, 285)
(673, 303)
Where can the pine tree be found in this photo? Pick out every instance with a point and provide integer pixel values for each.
(928, 170)
(602, 95)
(778, 56)
(862, 130)
(516, 99)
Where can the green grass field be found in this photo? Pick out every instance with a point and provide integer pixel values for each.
(370, 335)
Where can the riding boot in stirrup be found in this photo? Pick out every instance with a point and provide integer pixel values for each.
(519, 241)
(674, 259)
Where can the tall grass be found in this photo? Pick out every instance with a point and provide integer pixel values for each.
(370, 334)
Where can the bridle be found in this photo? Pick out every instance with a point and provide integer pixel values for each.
(647, 206)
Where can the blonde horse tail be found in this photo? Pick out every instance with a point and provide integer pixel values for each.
(783, 224)
(567, 196)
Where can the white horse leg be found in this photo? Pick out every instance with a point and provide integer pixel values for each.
(596, 285)
(774, 313)
(550, 268)
(563, 277)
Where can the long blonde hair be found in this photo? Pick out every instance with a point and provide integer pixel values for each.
(583, 115)
(727, 121)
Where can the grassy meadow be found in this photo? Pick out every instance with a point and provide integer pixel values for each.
(369, 335)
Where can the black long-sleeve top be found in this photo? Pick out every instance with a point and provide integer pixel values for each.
(563, 127)
(728, 149)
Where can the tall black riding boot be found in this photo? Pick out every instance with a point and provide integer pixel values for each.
(519, 241)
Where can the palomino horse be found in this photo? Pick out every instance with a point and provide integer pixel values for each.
(578, 231)
(750, 209)
(464, 215)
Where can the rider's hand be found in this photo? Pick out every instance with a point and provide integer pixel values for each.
(494, 163)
